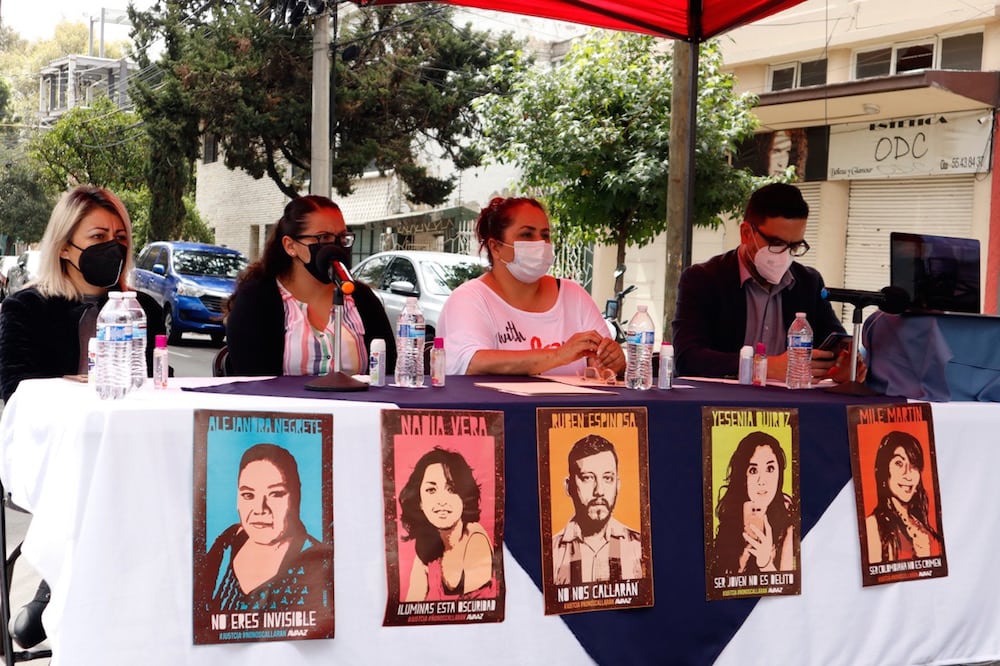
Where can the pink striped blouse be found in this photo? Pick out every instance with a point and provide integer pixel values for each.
(309, 351)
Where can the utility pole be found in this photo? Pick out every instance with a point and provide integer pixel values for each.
(319, 170)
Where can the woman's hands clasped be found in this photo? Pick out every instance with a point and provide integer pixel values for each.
(601, 351)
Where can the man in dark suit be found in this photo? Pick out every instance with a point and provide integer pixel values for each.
(751, 294)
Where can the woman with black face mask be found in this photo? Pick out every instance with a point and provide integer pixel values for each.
(86, 252)
(281, 317)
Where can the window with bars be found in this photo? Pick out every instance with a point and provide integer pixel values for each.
(963, 52)
(798, 74)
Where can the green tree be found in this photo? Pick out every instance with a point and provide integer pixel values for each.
(404, 94)
(24, 204)
(592, 137)
(99, 145)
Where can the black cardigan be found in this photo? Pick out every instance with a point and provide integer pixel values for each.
(40, 336)
(255, 327)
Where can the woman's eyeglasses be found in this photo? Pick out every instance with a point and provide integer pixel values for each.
(777, 245)
(345, 239)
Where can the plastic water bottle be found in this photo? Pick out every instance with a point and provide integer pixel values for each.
(800, 344)
(410, 338)
(139, 325)
(639, 349)
(113, 366)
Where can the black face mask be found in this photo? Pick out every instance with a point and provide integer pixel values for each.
(320, 256)
(101, 265)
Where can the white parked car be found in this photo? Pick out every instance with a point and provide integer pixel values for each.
(430, 276)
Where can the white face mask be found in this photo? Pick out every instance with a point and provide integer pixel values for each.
(771, 265)
(532, 260)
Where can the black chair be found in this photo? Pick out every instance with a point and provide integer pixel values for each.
(6, 572)
(220, 365)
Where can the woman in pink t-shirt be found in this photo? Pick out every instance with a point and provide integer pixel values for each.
(516, 319)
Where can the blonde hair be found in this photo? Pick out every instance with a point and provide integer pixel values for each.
(73, 206)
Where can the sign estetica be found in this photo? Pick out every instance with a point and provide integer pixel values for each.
(928, 145)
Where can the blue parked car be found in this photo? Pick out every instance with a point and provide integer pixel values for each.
(190, 281)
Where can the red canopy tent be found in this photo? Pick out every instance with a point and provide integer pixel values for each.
(689, 20)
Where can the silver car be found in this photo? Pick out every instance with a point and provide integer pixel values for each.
(430, 276)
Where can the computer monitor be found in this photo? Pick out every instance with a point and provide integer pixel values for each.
(939, 273)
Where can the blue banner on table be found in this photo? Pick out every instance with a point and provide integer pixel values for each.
(443, 483)
(894, 464)
(593, 471)
(263, 526)
(751, 500)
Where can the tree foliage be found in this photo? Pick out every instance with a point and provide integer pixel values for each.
(592, 136)
(405, 91)
(25, 205)
(98, 144)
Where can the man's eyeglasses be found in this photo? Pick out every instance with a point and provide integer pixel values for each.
(777, 245)
(345, 239)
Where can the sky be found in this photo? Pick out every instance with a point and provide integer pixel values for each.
(32, 24)
(36, 19)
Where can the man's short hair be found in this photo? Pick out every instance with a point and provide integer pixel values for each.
(776, 200)
(589, 446)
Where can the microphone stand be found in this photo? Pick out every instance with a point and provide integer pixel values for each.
(854, 387)
(336, 380)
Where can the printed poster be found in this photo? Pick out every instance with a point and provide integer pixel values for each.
(751, 494)
(896, 489)
(263, 526)
(593, 471)
(443, 481)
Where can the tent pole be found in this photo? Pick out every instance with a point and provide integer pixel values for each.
(680, 188)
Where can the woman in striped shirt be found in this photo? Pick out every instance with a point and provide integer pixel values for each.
(281, 317)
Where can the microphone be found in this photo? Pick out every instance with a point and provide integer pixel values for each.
(335, 269)
(893, 300)
(342, 277)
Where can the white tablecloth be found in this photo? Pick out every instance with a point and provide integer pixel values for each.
(951, 620)
(110, 488)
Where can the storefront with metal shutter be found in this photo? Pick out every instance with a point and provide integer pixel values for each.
(940, 205)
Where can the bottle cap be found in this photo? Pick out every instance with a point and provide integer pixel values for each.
(378, 345)
(411, 300)
(161, 342)
(438, 343)
(761, 349)
(800, 314)
(746, 351)
(666, 349)
(640, 308)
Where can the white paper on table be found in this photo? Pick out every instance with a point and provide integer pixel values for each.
(541, 388)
